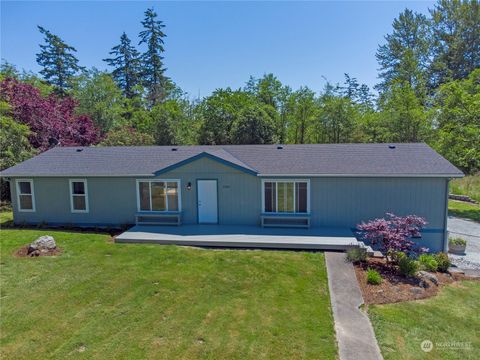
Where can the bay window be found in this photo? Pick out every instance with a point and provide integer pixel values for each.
(158, 195)
(286, 196)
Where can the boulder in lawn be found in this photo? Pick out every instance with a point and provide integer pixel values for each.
(42, 244)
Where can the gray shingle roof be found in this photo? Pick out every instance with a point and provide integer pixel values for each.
(415, 159)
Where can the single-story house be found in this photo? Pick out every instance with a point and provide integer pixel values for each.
(321, 185)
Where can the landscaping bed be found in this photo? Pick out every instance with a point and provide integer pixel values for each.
(397, 288)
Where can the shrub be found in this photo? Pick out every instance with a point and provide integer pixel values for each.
(443, 261)
(373, 277)
(428, 262)
(393, 233)
(407, 266)
(457, 241)
(356, 255)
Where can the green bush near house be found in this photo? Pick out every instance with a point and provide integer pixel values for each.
(356, 255)
(407, 266)
(373, 277)
(427, 262)
(443, 261)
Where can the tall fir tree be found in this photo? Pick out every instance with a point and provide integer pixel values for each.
(59, 64)
(405, 55)
(456, 47)
(126, 64)
(153, 71)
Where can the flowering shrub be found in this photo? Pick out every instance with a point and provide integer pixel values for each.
(393, 233)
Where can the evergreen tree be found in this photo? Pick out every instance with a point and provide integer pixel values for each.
(57, 60)
(126, 64)
(456, 33)
(405, 55)
(152, 60)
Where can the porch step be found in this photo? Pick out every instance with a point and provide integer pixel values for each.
(368, 249)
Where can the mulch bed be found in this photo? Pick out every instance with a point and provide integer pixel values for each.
(396, 288)
(23, 252)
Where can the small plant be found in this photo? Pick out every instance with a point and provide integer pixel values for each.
(373, 277)
(457, 245)
(457, 241)
(428, 262)
(356, 255)
(407, 266)
(443, 262)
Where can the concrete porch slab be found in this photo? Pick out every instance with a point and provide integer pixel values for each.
(241, 237)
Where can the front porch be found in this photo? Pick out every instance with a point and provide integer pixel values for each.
(241, 236)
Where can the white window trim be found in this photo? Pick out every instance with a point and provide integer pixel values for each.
(294, 195)
(17, 182)
(85, 186)
(179, 187)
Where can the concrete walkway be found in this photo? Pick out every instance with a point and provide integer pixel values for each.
(355, 336)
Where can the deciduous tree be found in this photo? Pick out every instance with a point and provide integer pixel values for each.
(100, 98)
(52, 120)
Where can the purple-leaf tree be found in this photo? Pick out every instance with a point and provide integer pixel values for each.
(52, 120)
(393, 233)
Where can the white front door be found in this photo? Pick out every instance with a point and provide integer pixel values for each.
(207, 202)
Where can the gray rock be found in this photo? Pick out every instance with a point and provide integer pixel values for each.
(43, 243)
(416, 290)
(428, 276)
(423, 284)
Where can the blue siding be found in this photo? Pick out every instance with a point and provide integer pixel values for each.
(335, 202)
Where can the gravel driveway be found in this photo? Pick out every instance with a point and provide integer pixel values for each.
(470, 231)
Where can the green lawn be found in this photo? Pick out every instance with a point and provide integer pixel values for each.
(469, 185)
(6, 218)
(464, 209)
(105, 300)
(452, 316)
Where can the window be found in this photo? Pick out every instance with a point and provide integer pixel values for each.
(158, 195)
(78, 195)
(286, 196)
(25, 195)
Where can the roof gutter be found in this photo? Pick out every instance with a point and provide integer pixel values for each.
(366, 175)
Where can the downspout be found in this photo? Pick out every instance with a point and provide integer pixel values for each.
(445, 231)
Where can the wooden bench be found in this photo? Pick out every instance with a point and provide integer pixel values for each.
(285, 220)
(159, 218)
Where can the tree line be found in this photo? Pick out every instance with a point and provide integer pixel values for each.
(428, 91)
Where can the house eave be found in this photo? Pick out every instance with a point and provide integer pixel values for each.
(367, 175)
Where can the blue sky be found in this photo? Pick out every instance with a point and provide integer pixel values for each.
(218, 44)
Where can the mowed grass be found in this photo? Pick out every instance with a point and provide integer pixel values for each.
(105, 300)
(450, 320)
(464, 210)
